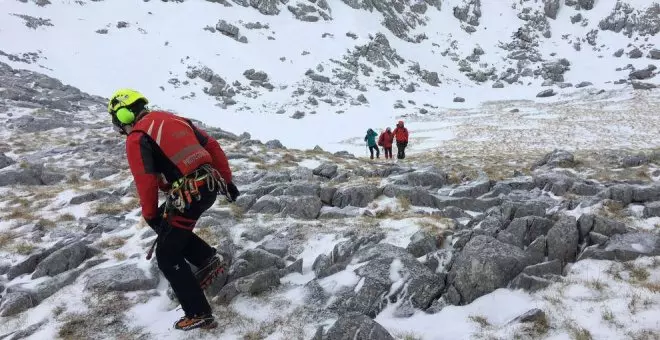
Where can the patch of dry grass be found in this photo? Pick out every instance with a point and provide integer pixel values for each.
(639, 274)
(410, 336)
(597, 285)
(119, 256)
(20, 214)
(644, 334)
(46, 223)
(23, 248)
(66, 217)
(116, 208)
(653, 287)
(7, 238)
(404, 203)
(482, 321)
(613, 209)
(105, 314)
(533, 330)
(236, 211)
(114, 242)
(384, 213)
(579, 333)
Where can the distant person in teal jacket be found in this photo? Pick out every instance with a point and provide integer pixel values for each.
(370, 138)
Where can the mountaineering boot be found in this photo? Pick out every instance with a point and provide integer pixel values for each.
(210, 270)
(187, 323)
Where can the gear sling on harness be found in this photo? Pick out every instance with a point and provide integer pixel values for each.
(185, 191)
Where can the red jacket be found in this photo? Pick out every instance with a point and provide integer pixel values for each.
(386, 139)
(162, 144)
(401, 134)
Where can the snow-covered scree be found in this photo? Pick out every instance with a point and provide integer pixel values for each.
(322, 72)
(325, 246)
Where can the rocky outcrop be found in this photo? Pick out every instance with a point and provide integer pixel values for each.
(483, 265)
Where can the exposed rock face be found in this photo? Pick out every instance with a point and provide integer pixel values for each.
(394, 12)
(627, 19)
(484, 265)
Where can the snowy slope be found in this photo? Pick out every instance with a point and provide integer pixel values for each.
(162, 40)
(73, 185)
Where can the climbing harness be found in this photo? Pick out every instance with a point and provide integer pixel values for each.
(186, 190)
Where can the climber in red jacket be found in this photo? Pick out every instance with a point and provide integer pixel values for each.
(401, 137)
(385, 140)
(169, 152)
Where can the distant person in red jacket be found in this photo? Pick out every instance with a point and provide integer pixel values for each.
(385, 140)
(169, 152)
(401, 136)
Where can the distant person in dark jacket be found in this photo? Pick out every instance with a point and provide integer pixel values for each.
(401, 136)
(370, 138)
(386, 140)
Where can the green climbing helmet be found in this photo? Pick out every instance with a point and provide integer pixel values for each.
(120, 104)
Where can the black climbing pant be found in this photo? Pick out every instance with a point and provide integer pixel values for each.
(388, 152)
(177, 246)
(372, 149)
(401, 150)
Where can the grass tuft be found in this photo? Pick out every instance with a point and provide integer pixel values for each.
(482, 321)
(579, 333)
(24, 248)
(114, 242)
(404, 203)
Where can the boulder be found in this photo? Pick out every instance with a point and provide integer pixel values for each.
(525, 230)
(654, 54)
(303, 207)
(529, 283)
(641, 74)
(252, 284)
(635, 53)
(652, 209)
(252, 261)
(534, 315)
(556, 158)
(356, 326)
(327, 170)
(357, 196)
(422, 243)
(474, 189)
(638, 85)
(485, 264)
(122, 278)
(256, 233)
(5, 161)
(431, 178)
(556, 182)
(274, 144)
(512, 210)
(62, 260)
(546, 93)
(563, 240)
(551, 7)
(277, 246)
(390, 274)
(624, 247)
(608, 227)
(16, 302)
(29, 264)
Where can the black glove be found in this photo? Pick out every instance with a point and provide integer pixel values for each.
(232, 190)
(157, 223)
